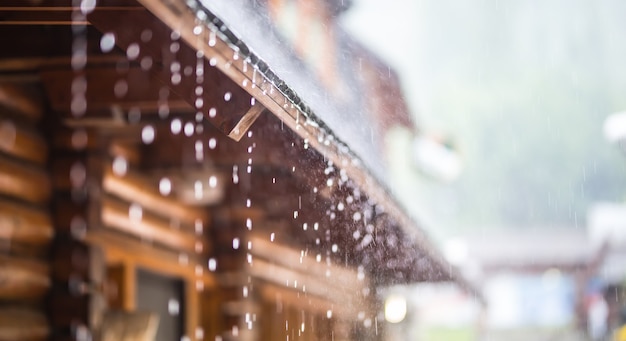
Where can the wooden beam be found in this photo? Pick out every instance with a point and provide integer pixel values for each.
(24, 224)
(21, 99)
(24, 182)
(312, 285)
(311, 304)
(301, 261)
(120, 249)
(123, 217)
(21, 141)
(23, 324)
(23, 279)
(246, 121)
(133, 187)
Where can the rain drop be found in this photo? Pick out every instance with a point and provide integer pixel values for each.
(107, 42)
(147, 134)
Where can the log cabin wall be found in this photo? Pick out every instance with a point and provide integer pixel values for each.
(25, 222)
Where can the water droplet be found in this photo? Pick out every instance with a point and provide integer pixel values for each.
(176, 78)
(212, 181)
(329, 314)
(212, 112)
(165, 186)
(212, 143)
(174, 47)
(146, 63)
(147, 134)
(249, 223)
(120, 166)
(132, 52)
(107, 42)
(120, 88)
(87, 6)
(135, 212)
(235, 243)
(146, 35)
(173, 307)
(176, 126)
(188, 129)
(212, 264)
(227, 96)
(198, 189)
(78, 174)
(197, 30)
(335, 248)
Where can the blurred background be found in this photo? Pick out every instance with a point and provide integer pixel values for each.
(526, 95)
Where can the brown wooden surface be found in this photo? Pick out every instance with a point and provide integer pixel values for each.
(139, 189)
(115, 215)
(23, 324)
(22, 142)
(23, 279)
(24, 182)
(119, 249)
(21, 99)
(24, 224)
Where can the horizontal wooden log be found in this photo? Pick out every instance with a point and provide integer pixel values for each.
(120, 249)
(311, 304)
(24, 224)
(304, 283)
(337, 276)
(21, 99)
(22, 142)
(134, 187)
(23, 279)
(143, 224)
(23, 324)
(24, 182)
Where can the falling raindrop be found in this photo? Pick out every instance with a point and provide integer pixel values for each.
(107, 42)
(120, 166)
(165, 186)
(147, 134)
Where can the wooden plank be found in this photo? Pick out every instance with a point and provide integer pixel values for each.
(23, 279)
(281, 255)
(305, 283)
(23, 324)
(192, 309)
(118, 215)
(276, 294)
(21, 99)
(122, 249)
(24, 224)
(24, 182)
(245, 122)
(135, 187)
(22, 142)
